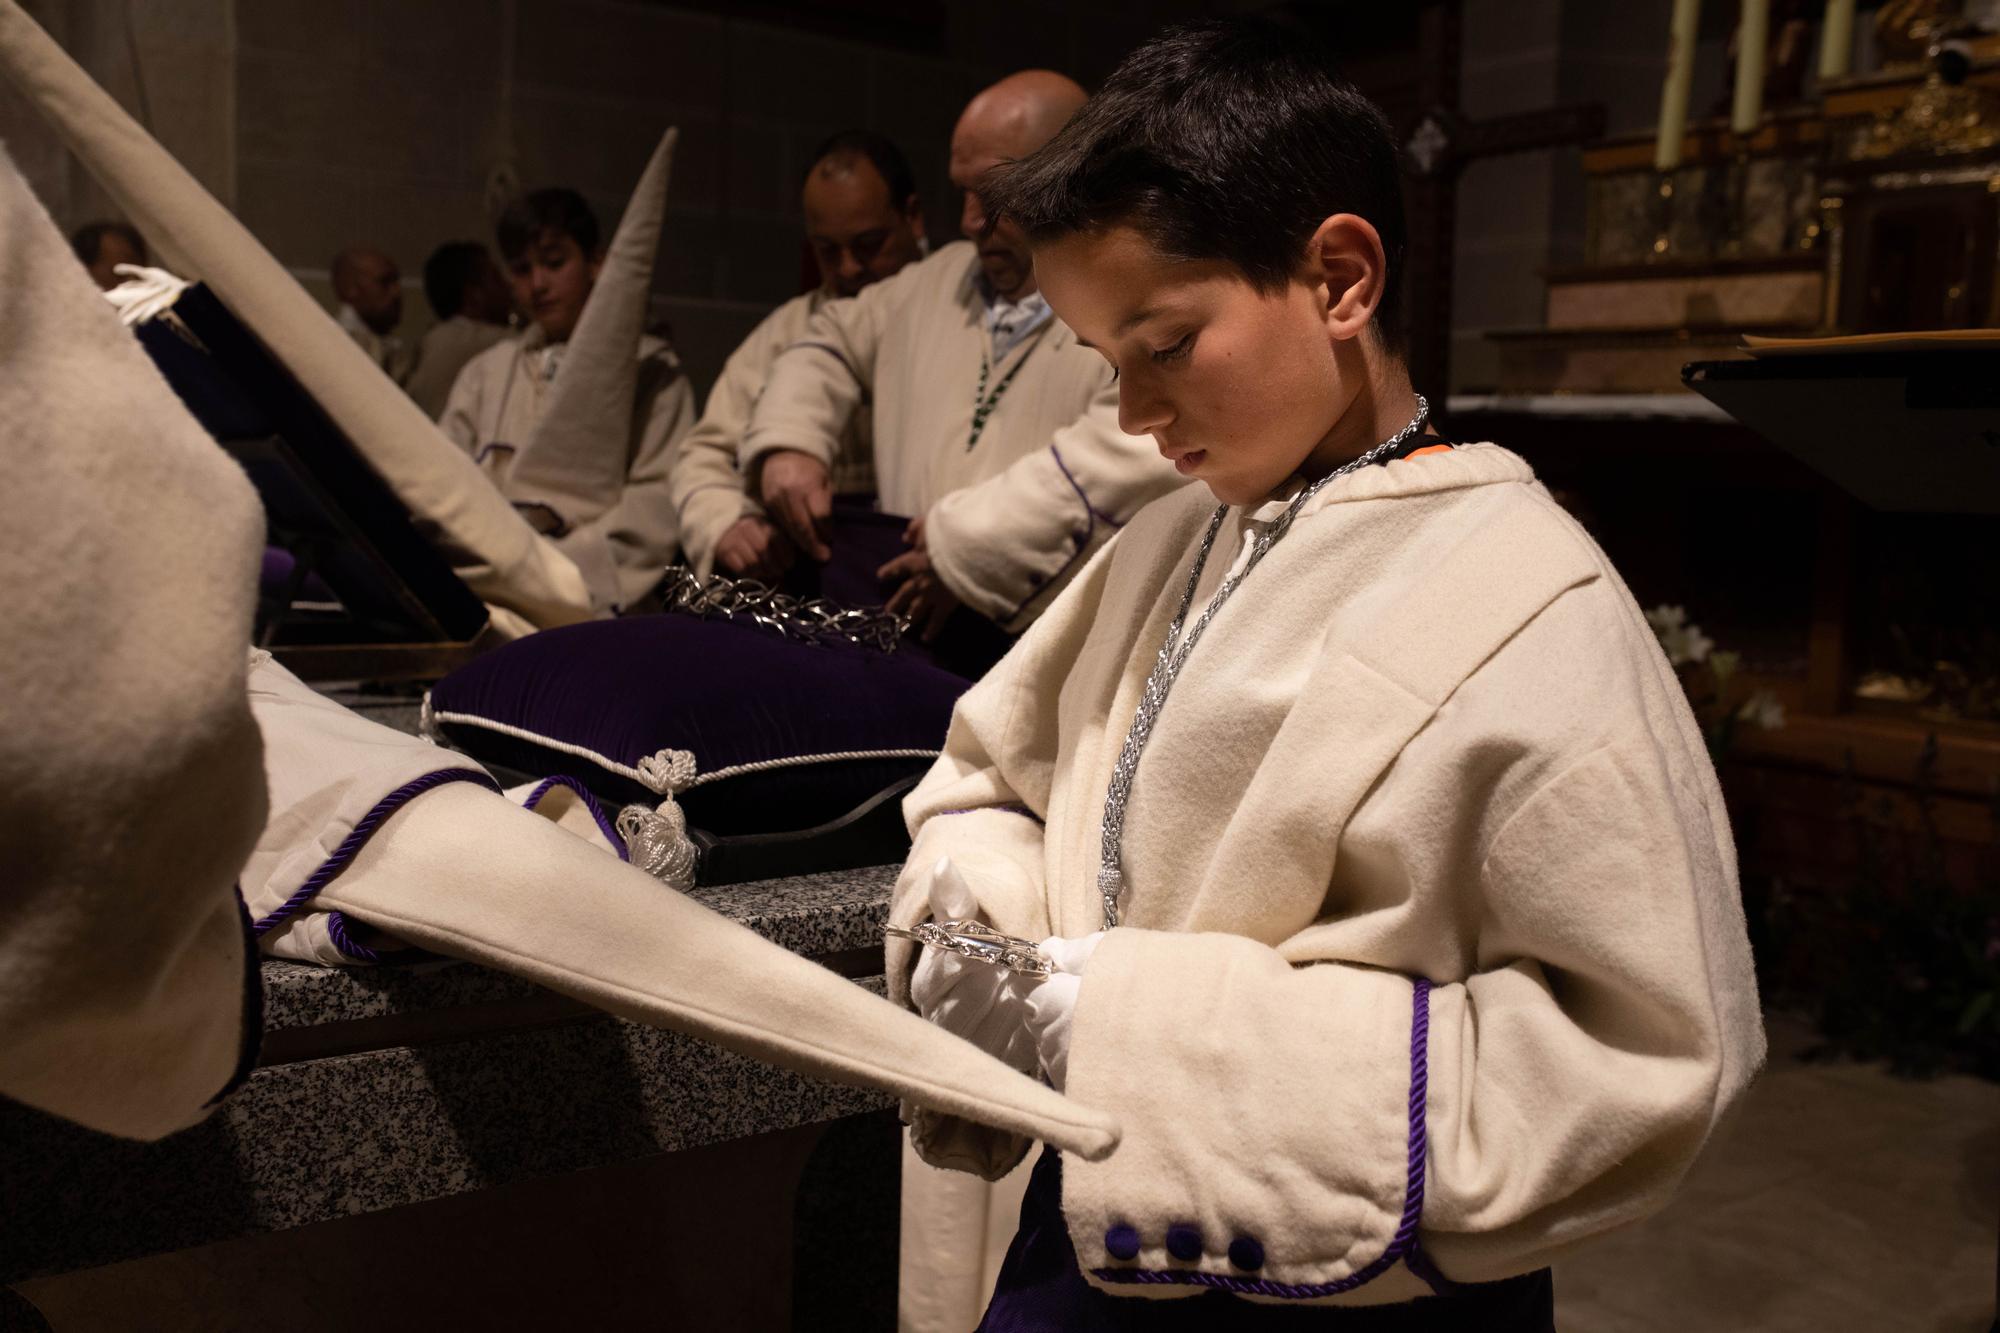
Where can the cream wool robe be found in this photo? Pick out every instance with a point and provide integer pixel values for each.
(131, 783)
(1009, 520)
(706, 481)
(441, 353)
(1427, 764)
(580, 437)
(500, 397)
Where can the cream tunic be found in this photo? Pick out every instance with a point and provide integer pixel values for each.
(131, 780)
(494, 406)
(1010, 519)
(1430, 737)
(441, 353)
(707, 478)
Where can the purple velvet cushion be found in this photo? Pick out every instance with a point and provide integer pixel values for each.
(761, 713)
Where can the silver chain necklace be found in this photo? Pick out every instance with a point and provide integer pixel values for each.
(1174, 654)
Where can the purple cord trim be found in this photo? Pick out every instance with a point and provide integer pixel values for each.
(1070, 477)
(486, 449)
(1401, 1246)
(336, 930)
(350, 847)
(590, 803)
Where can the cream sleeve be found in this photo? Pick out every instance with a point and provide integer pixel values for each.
(706, 483)
(819, 382)
(1007, 545)
(983, 804)
(1302, 1127)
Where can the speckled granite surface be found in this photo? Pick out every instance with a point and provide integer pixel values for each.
(812, 915)
(310, 1139)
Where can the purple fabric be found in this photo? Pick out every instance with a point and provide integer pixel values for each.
(733, 694)
(350, 847)
(275, 578)
(1041, 1288)
(590, 803)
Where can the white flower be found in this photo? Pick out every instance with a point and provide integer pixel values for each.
(1682, 642)
(1763, 709)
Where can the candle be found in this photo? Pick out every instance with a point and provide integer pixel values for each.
(1674, 92)
(1836, 40)
(1753, 41)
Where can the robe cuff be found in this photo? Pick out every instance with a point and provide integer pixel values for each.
(1274, 1118)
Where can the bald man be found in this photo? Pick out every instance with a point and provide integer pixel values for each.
(864, 222)
(369, 287)
(995, 431)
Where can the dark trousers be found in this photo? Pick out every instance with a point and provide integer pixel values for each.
(1041, 1287)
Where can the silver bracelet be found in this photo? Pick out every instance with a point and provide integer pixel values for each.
(979, 942)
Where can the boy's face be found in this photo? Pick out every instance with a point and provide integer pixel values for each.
(1236, 385)
(551, 280)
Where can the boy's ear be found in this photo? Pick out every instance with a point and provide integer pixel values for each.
(1345, 259)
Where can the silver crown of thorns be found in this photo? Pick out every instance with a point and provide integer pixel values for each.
(813, 619)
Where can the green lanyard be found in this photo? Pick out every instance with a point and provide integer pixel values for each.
(982, 405)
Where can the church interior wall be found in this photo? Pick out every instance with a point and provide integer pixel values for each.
(325, 123)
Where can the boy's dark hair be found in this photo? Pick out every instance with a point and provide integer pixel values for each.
(89, 238)
(448, 272)
(1228, 139)
(556, 208)
(880, 151)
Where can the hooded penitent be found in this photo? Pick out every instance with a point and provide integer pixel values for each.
(133, 786)
(575, 461)
(493, 548)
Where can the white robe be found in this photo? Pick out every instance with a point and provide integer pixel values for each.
(707, 476)
(441, 353)
(131, 781)
(493, 409)
(1008, 519)
(1431, 737)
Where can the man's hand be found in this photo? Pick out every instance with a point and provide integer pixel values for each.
(752, 548)
(922, 595)
(798, 494)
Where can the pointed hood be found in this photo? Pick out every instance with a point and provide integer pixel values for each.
(427, 852)
(576, 459)
(493, 549)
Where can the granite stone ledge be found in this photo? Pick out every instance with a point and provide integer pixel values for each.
(812, 915)
(317, 1137)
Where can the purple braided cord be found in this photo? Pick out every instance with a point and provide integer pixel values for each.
(350, 847)
(336, 930)
(590, 803)
(1405, 1240)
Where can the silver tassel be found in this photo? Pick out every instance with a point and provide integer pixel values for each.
(656, 840)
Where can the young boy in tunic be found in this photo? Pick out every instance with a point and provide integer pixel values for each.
(1386, 885)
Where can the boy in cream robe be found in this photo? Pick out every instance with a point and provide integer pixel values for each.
(1387, 883)
(864, 222)
(577, 419)
(993, 428)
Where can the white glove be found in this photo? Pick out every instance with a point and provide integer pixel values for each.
(1052, 1003)
(984, 1004)
(146, 292)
